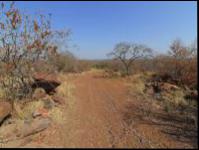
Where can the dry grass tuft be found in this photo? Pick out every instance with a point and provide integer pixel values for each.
(175, 97)
(137, 82)
(2, 94)
(28, 109)
(66, 90)
(56, 114)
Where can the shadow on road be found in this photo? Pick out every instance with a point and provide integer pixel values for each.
(178, 127)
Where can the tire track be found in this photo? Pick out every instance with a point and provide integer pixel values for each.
(126, 129)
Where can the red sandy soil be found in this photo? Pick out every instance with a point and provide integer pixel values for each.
(98, 117)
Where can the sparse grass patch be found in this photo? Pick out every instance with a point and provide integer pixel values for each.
(175, 97)
(56, 114)
(2, 94)
(66, 90)
(29, 108)
(26, 112)
(170, 100)
(138, 82)
(138, 86)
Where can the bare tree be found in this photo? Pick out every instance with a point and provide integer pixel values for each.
(127, 53)
(181, 57)
(23, 41)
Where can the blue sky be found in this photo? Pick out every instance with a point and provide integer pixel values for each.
(98, 26)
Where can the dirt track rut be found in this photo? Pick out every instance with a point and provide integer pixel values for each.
(95, 118)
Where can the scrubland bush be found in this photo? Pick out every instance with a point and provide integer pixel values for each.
(63, 62)
(180, 65)
(83, 65)
(143, 66)
(101, 65)
(138, 84)
(116, 66)
(109, 66)
(24, 42)
(171, 81)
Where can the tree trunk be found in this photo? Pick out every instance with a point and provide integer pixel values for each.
(127, 70)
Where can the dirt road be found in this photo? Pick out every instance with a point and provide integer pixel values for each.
(102, 113)
(95, 117)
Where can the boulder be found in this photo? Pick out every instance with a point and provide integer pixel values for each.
(168, 87)
(5, 110)
(46, 81)
(46, 77)
(48, 102)
(37, 125)
(58, 99)
(39, 93)
(40, 112)
(36, 113)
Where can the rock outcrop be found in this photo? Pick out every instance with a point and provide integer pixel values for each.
(5, 110)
